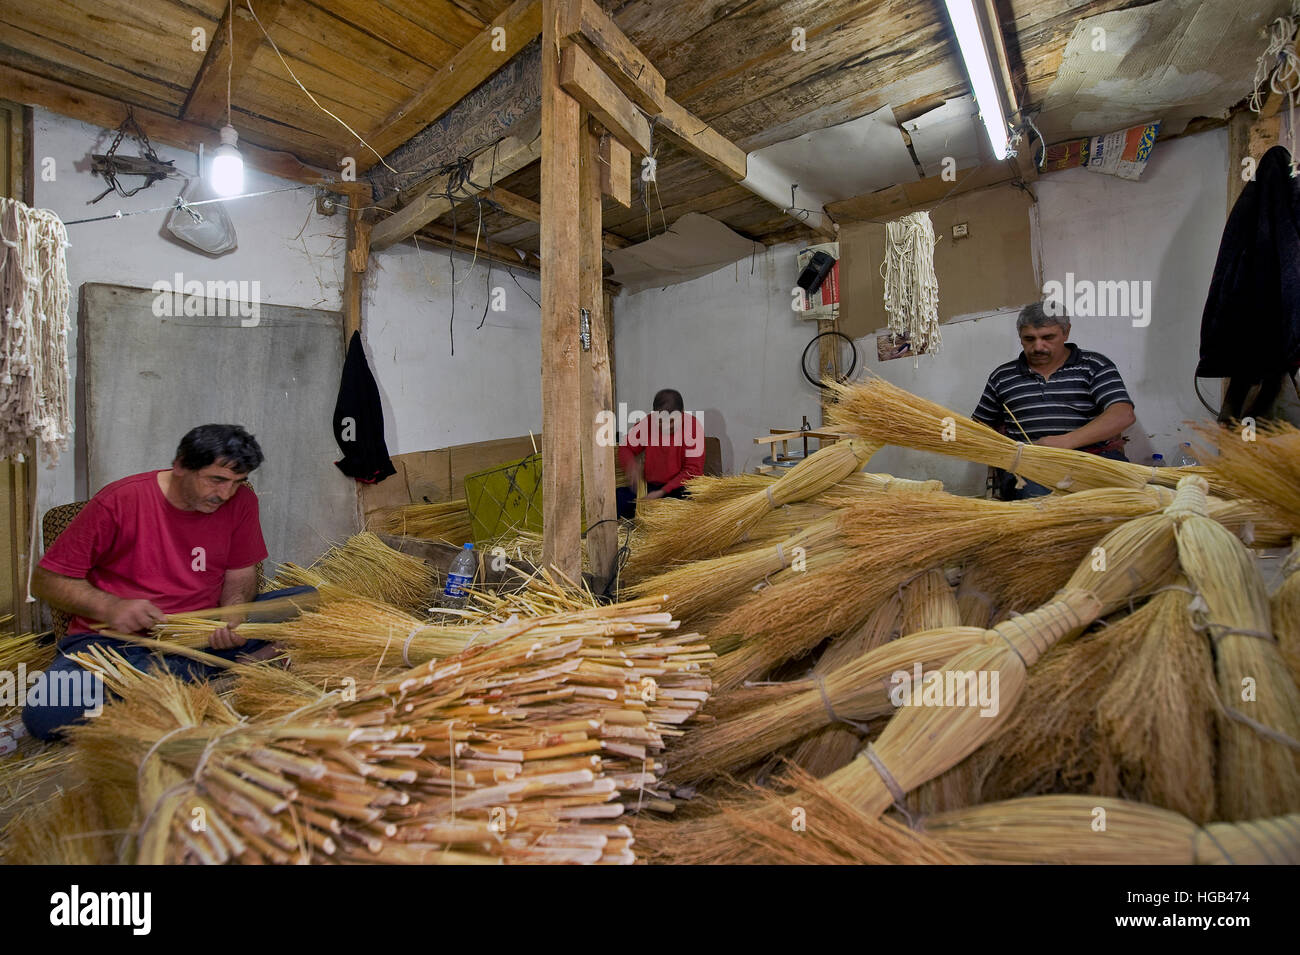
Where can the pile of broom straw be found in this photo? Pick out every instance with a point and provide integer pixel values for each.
(526, 742)
(1138, 657)
(447, 521)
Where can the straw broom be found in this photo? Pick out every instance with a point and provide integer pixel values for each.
(1127, 710)
(831, 832)
(1100, 830)
(1286, 614)
(1158, 715)
(1263, 464)
(829, 748)
(694, 587)
(920, 742)
(876, 410)
(858, 690)
(898, 537)
(1258, 774)
(704, 530)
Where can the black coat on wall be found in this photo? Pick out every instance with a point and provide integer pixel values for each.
(1250, 329)
(359, 420)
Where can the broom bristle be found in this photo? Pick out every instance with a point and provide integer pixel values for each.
(1258, 774)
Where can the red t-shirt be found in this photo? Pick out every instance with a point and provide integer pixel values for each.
(133, 543)
(670, 460)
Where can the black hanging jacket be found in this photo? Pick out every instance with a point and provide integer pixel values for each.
(1250, 329)
(359, 420)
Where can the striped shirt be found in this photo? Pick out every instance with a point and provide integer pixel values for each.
(1080, 390)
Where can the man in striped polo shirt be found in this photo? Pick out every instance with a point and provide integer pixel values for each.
(1059, 394)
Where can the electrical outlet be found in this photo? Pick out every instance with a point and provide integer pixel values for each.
(961, 230)
(326, 203)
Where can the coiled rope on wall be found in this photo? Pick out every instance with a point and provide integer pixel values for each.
(911, 287)
(34, 297)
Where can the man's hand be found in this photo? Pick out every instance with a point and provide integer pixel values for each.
(132, 616)
(1056, 441)
(654, 495)
(225, 638)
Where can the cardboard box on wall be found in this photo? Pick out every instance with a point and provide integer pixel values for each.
(993, 268)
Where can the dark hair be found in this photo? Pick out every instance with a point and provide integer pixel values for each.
(668, 399)
(226, 444)
(1038, 316)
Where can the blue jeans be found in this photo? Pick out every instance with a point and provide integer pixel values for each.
(1032, 489)
(46, 720)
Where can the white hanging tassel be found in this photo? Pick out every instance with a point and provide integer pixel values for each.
(911, 287)
(34, 373)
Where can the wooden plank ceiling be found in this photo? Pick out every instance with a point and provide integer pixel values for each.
(730, 62)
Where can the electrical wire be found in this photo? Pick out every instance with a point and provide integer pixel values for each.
(182, 204)
(315, 102)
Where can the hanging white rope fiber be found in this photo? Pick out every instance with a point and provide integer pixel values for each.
(34, 296)
(911, 287)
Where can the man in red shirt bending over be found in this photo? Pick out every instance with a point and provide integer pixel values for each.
(162, 542)
(672, 445)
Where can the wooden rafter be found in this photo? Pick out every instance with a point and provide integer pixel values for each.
(224, 64)
(475, 62)
(108, 113)
(497, 162)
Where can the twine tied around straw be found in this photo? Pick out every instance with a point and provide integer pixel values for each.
(406, 645)
(1054, 619)
(1220, 630)
(1262, 729)
(191, 783)
(830, 710)
(1204, 830)
(890, 782)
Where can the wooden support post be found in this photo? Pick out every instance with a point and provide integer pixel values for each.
(615, 170)
(596, 383)
(355, 274)
(561, 407)
(1250, 135)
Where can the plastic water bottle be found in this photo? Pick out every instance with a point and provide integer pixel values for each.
(460, 576)
(1157, 460)
(1185, 457)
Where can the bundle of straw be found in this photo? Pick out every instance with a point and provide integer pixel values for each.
(876, 410)
(447, 521)
(892, 539)
(1259, 734)
(35, 650)
(1158, 716)
(522, 748)
(1286, 614)
(367, 567)
(1099, 830)
(831, 747)
(859, 690)
(1261, 463)
(717, 581)
(1090, 830)
(705, 529)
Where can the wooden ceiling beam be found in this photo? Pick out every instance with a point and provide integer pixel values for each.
(107, 113)
(584, 23)
(894, 201)
(206, 102)
(522, 207)
(519, 24)
(510, 155)
(463, 240)
(591, 86)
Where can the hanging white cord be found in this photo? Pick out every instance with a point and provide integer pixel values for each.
(911, 287)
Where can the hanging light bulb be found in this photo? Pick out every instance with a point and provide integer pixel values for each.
(227, 165)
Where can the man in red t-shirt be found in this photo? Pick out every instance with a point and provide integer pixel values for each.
(666, 447)
(156, 543)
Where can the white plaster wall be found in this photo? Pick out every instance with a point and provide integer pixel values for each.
(730, 343)
(431, 399)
